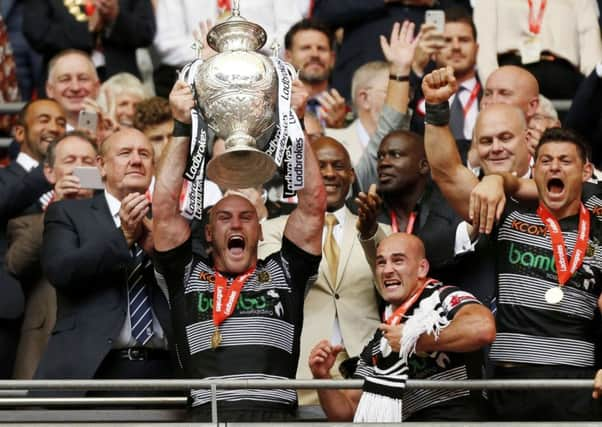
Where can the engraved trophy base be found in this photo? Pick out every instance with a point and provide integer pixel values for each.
(242, 165)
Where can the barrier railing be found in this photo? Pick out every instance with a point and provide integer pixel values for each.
(185, 385)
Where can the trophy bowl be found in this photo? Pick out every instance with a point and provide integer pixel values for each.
(237, 93)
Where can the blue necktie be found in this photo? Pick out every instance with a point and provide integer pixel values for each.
(141, 316)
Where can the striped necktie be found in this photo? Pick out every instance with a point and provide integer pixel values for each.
(141, 316)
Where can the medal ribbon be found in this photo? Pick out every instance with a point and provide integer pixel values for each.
(473, 96)
(395, 318)
(563, 268)
(395, 223)
(535, 22)
(225, 297)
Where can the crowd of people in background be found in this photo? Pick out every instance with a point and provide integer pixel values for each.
(450, 225)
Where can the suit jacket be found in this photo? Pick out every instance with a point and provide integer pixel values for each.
(352, 298)
(23, 261)
(363, 22)
(585, 114)
(19, 193)
(86, 258)
(349, 138)
(50, 28)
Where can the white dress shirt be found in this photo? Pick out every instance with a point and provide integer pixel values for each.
(125, 339)
(337, 232)
(471, 115)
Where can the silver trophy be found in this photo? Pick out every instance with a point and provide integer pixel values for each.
(237, 95)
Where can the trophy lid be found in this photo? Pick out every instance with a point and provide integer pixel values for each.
(236, 33)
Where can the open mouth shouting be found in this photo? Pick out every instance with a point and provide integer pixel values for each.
(555, 187)
(391, 284)
(236, 245)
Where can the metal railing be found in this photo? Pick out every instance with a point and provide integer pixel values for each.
(19, 386)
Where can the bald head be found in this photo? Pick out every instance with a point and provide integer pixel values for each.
(513, 85)
(412, 244)
(500, 140)
(401, 266)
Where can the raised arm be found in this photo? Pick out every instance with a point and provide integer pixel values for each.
(454, 179)
(304, 226)
(170, 229)
(399, 52)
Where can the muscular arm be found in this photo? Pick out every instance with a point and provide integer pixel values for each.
(304, 226)
(472, 327)
(454, 179)
(170, 229)
(339, 405)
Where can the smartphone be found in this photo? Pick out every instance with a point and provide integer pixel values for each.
(88, 120)
(435, 17)
(89, 177)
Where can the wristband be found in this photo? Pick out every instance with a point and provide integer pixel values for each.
(181, 129)
(399, 78)
(437, 114)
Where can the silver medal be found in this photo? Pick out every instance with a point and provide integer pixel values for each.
(554, 295)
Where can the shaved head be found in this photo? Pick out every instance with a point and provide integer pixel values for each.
(410, 241)
(513, 85)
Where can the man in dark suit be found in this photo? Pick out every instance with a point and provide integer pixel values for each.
(456, 47)
(23, 190)
(363, 23)
(111, 29)
(112, 316)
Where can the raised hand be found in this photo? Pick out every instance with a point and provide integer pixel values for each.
(299, 98)
(439, 85)
(200, 36)
(322, 358)
(399, 50)
(333, 108)
(181, 102)
(367, 211)
(430, 44)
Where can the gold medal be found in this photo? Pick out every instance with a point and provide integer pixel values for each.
(590, 251)
(216, 339)
(554, 295)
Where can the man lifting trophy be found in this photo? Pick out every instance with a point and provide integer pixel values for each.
(235, 316)
(243, 97)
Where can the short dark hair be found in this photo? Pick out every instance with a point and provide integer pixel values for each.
(308, 24)
(565, 135)
(51, 152)
(23, 113)
(462, 15)
(151, 112)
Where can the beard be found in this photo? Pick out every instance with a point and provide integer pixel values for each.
(313, 77)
